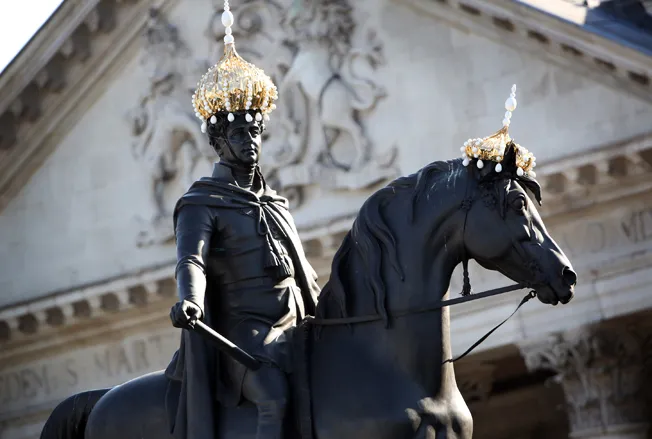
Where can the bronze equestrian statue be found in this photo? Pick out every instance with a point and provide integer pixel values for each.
(372, 357)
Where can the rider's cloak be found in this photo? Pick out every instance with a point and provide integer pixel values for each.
(245, 231)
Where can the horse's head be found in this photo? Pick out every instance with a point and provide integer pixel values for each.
(504, 231)
(410, 235)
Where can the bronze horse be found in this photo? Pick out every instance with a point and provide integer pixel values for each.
(383, 377)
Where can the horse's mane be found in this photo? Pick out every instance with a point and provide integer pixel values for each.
(372, 239)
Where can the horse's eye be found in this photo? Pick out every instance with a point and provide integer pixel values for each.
(519, 203)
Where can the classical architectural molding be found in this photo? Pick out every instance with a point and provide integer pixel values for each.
(525, 25)
(46, 88)
(603, 174)
(28, 322)
(604, 371)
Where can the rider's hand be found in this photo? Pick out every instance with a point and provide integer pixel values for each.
(184, 314)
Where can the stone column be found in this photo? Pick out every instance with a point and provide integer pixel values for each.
(604, 371)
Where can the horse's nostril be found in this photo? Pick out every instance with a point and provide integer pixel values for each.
(570, 278)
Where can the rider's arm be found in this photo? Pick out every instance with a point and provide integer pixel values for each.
(193, 233)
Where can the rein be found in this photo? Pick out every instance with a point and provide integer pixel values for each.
(425, 309)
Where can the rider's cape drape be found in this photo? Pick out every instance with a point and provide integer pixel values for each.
(194, 372)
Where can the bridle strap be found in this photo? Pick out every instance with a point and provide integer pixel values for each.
(531, 295)
(411, 311)
(421, 310)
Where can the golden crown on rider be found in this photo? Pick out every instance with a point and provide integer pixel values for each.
(233, 85)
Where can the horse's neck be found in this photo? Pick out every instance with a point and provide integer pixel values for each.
(435, 327)
(419, 341)
(413, 274)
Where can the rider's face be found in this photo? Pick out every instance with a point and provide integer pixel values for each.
(244, 139)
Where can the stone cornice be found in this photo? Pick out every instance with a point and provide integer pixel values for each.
(25, 326)
(519, 25)
(59, 74)
(56, 37)
(605, 173)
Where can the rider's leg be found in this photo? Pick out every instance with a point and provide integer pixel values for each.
(268, 389)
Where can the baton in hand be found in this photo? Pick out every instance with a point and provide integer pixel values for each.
(226, 346)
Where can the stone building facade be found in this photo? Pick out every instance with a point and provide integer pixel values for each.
(97, 140)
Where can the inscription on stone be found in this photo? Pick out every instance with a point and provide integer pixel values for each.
(637, 226)
(620, 229)
(56, 378)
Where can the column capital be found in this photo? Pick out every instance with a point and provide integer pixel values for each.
(603, 370)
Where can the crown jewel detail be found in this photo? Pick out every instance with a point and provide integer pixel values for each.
(493, 147)
(233, 85)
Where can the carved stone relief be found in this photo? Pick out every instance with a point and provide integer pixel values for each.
(324, 63)
(605, 373)
(167, 141)
(323, 58)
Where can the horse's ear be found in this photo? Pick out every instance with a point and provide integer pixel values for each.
(532, 185)
(508, 166)
(509, 159)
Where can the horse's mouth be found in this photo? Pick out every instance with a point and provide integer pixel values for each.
(553, 296)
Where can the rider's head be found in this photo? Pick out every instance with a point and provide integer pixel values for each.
(237, 141)
(232, 100)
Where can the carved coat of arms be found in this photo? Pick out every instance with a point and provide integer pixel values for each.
(324, 62)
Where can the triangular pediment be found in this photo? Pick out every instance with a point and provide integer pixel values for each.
(43, 89)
